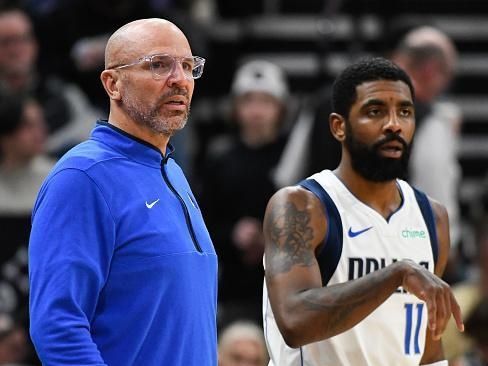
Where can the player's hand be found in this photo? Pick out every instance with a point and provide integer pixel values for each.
(436, 293)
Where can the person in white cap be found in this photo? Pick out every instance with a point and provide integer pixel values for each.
(259, 91)
(237, 183)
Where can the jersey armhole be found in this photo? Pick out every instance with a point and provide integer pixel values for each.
(330, 253)
(428, 215)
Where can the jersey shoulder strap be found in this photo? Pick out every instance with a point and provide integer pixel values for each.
(330, 253)
(428, 214)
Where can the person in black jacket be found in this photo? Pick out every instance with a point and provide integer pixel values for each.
(237, 182)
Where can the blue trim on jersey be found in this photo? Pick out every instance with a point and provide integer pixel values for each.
(401, 203)
(301, 356)
(428, 214)
(328, 257)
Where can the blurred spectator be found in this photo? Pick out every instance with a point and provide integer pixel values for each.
(236, 184)
(68, 113)
(23, 167)
(242, 344)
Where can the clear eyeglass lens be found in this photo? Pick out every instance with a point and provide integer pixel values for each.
(197, 70)
(163, 65)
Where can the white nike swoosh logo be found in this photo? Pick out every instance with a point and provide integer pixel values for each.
(150, 205)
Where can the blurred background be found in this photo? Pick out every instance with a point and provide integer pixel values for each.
(254, 127)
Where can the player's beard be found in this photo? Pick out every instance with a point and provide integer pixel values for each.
(367, 161)
(152, 117)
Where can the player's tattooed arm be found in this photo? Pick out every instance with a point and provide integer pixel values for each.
(306, 311)
(290, 236)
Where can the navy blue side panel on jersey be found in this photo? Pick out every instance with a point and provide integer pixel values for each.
(429, 219)
(329, 255)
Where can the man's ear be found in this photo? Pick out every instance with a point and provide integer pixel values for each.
(337, 125)
(109, 80)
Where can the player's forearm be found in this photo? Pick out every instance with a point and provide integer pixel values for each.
(320, 313)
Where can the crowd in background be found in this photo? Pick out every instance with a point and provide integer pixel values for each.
(51, 55)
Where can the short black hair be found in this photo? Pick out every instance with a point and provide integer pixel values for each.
(344, 91)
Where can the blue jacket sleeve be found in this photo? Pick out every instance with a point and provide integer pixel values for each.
(71, 245)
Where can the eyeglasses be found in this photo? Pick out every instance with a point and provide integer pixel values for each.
(163, 65)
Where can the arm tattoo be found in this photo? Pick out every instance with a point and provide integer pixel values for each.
(341, 302)
(338, 311)
(291, 236)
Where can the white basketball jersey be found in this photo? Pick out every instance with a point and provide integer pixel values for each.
(393, 334)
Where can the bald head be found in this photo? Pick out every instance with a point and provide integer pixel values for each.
(425, 43)
(134, 39)
(429, 57)
(144, 102)
(242, 340)
(425, 37)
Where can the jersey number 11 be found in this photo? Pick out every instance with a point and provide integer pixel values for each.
(412, 326)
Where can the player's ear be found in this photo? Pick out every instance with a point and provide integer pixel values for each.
(337, 125)
(109, 80)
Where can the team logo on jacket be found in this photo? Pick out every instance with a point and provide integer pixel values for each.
(151, 205)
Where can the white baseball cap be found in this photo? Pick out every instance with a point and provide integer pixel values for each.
(260, 76)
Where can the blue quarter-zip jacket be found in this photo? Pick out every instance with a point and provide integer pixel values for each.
(122, 269)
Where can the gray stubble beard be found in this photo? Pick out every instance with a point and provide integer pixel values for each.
(151, 119)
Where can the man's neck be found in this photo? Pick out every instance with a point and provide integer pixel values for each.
(159, 140)
(383, 197)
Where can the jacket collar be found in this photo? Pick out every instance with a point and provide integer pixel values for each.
(130, 146)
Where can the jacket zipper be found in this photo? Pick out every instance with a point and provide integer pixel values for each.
(185, 209)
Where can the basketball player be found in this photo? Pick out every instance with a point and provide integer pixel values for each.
(353, 256)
